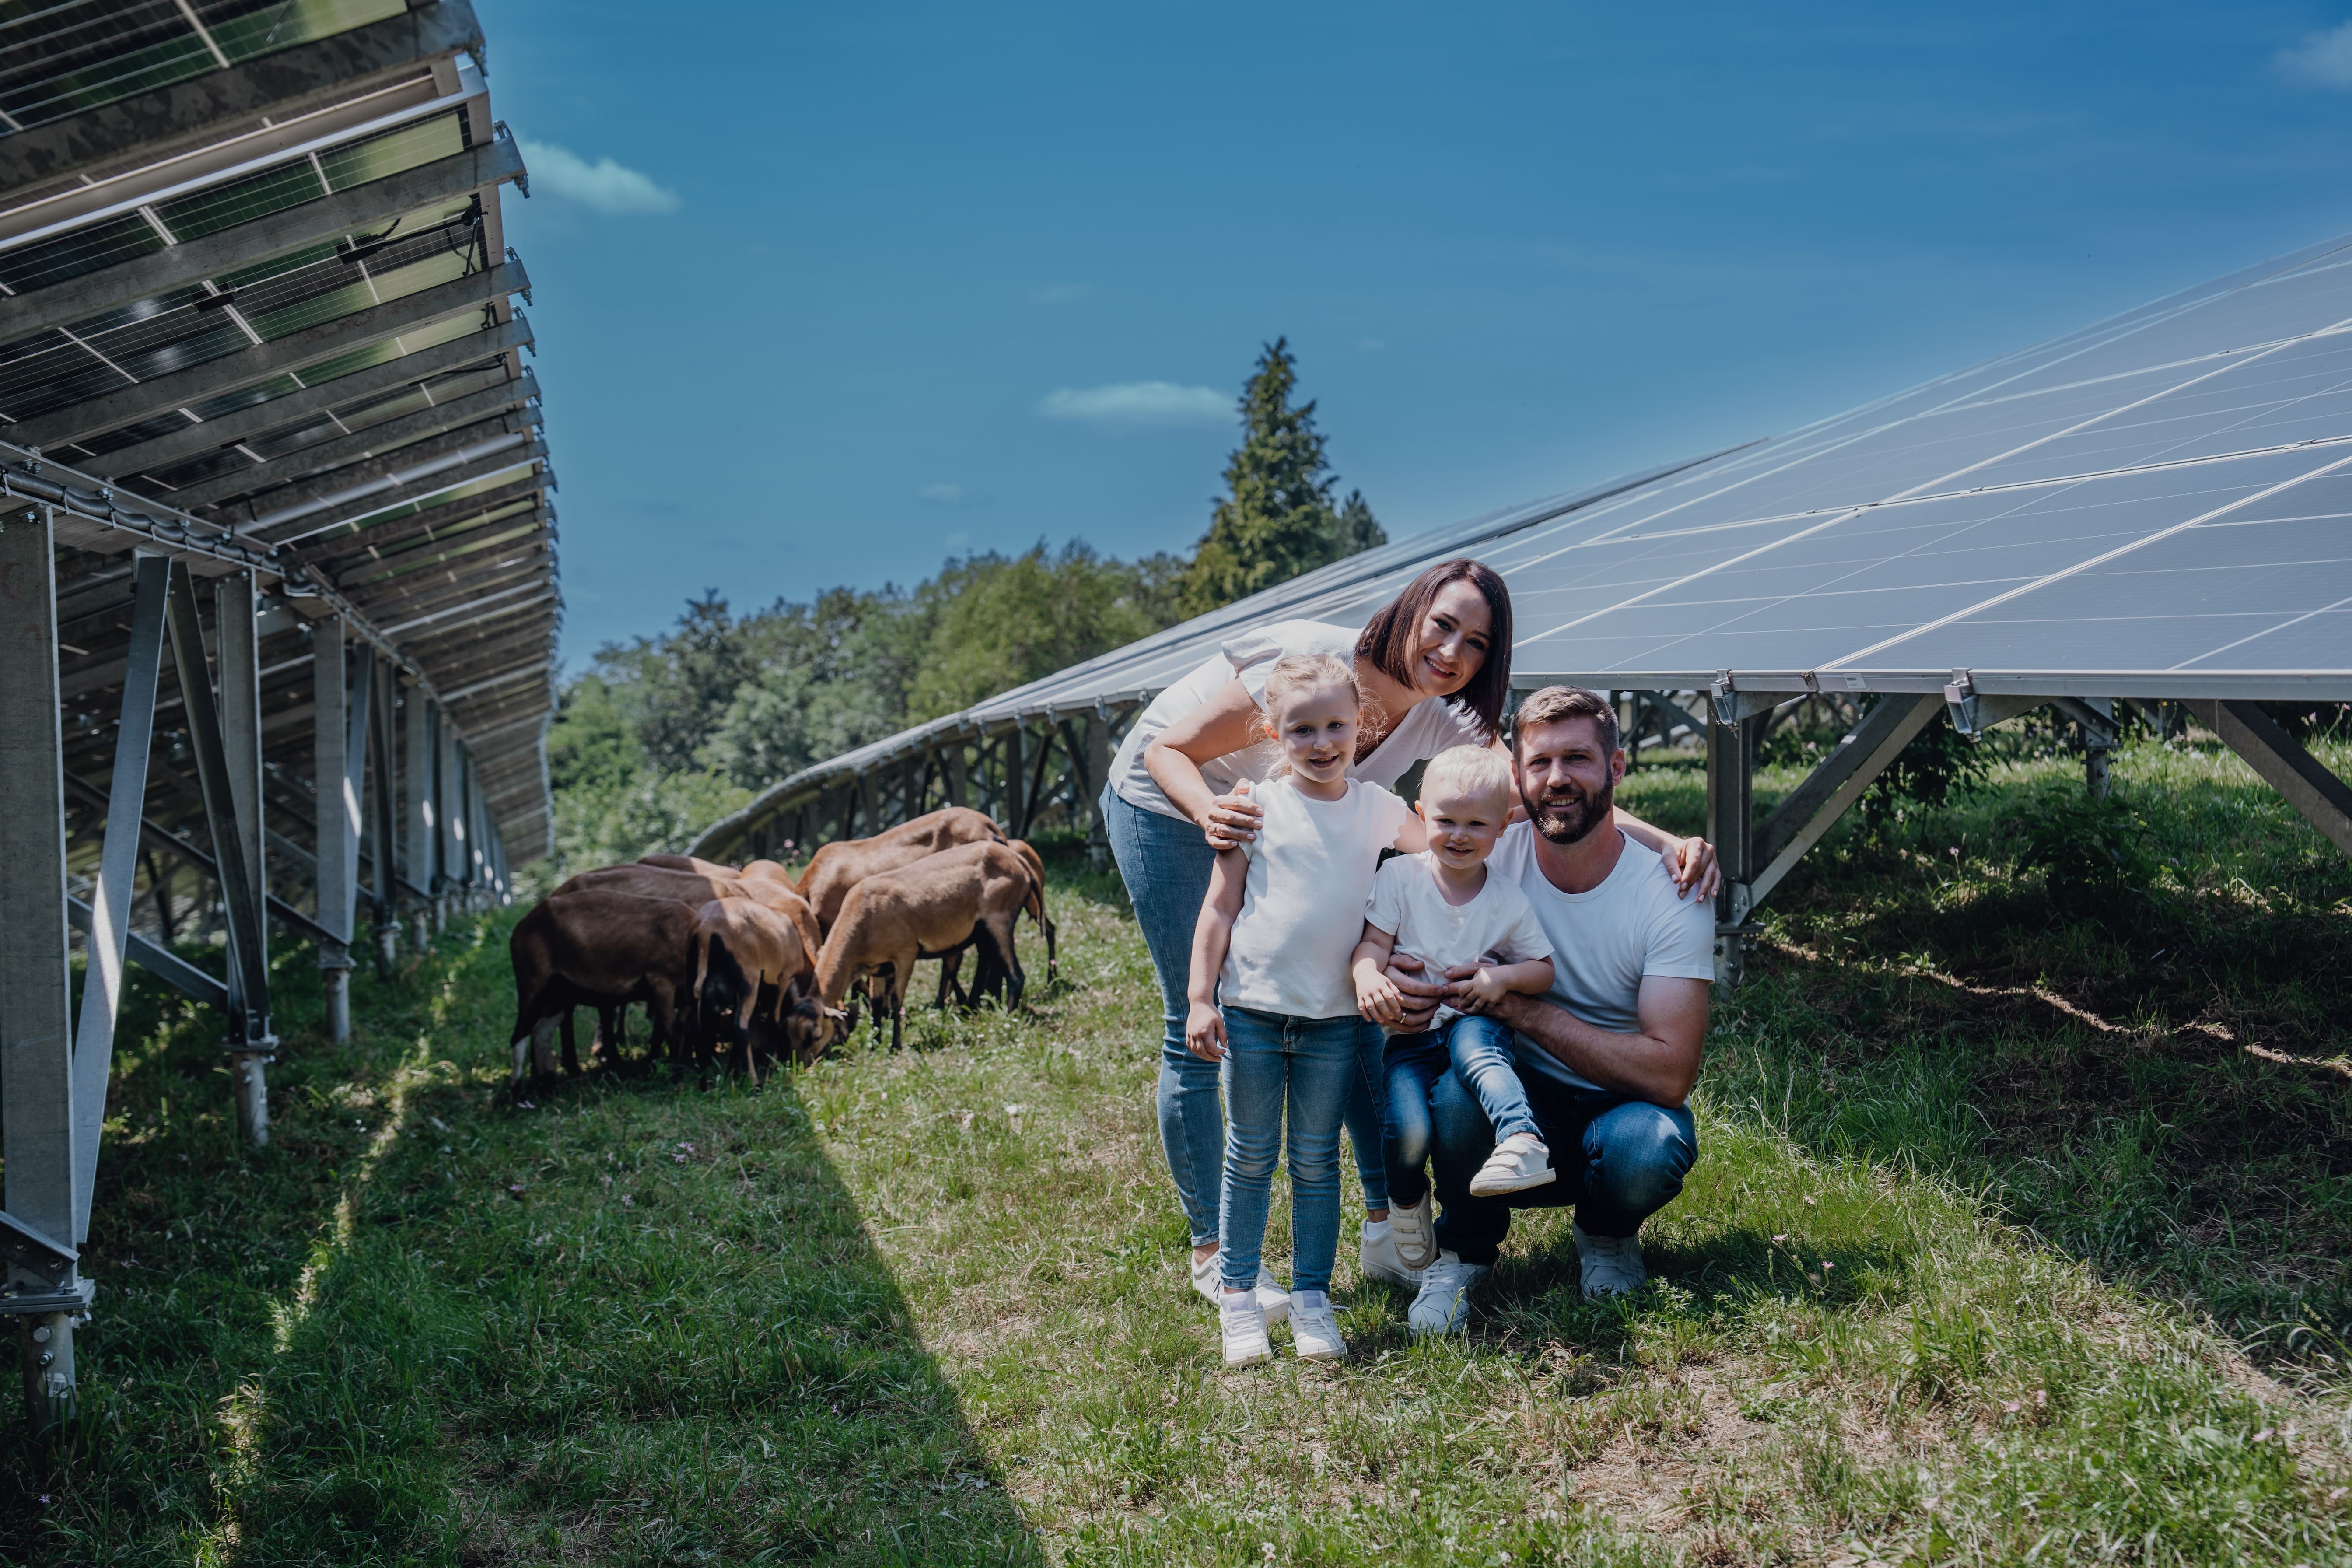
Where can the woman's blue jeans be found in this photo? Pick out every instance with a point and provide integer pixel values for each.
(1165, 863)
(1300, 1070)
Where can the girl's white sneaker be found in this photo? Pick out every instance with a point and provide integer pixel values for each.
(1414, 1235)
(1208, 1281)
(1314, 1328)
(1245, 1329)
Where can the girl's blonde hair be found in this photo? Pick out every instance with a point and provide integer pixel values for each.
(1301, 672)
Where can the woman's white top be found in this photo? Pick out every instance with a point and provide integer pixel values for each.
(1409, 905)
(1432, 725)
(1310, 872)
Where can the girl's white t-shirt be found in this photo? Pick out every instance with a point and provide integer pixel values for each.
(1409, 905)
(1310, 872)
(1429, 727)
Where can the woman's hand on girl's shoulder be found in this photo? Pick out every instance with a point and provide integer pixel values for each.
(1233, 819)
(1691, 863)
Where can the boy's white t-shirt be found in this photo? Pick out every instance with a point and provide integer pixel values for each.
(1429, 726)
(1408, 903)
(1310, 872)
(1605, 941)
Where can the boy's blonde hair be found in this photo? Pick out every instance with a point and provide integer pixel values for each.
(1300, 672)
(1476, 770)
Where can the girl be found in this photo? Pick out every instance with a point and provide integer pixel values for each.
(1283, 913)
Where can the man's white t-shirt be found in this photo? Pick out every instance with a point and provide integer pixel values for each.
(1606, 941)
(1310, 871)
(1409, 905)
(1429, 727)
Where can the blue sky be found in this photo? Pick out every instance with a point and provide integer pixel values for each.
(825, 294)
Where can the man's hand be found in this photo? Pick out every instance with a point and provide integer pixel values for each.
(1233, 819)
(1204, 1032)
(1421, 994)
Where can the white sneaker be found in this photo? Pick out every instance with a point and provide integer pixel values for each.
(1209, 1283)
(1314, 1328)
(1443, 1305)
(1244, 1328)
(1413, 1235)
(1379, 1257)
(1612, 1264)
(1520, 1162)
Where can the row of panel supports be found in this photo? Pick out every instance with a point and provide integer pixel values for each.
(1755, 857)
(54, 1072)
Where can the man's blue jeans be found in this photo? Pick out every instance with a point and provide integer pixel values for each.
(1619, 1161)
(1165, 863)
(1300, 1070)
(1477, 1048)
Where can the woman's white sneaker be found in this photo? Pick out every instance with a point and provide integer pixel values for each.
(1444, 1304)
(1413, 1235)
(1208, 1281)
(1314, 1327)
(1244, 1321)
(1612, 1264)
(1377, 1254)
(1520, 1162)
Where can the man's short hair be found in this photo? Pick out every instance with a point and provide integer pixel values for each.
(1555, 703)
(1477, 770)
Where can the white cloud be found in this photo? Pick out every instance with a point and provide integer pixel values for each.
(603, 186)
(2321, 60)
(1135, 404)
(943, 495)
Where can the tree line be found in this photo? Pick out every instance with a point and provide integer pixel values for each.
(663, 734)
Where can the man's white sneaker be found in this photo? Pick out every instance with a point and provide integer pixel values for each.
(1443, 1305)
(1612, 1264)
(1377, 1254)
(1413, 1235)
(1315, 1326)
(1209, 1282)
(1520, 1162)
(1245, 1329)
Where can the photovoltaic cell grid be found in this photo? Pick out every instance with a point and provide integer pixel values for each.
(2154, 505)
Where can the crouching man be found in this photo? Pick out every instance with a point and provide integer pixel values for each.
(1607, 1055)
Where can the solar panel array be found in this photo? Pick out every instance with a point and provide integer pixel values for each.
(2152, 506)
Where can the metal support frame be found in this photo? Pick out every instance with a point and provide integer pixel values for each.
(450, 843)
(416, 849)
(382, 835)
(337, 852)
(2324, 800)
(40, 1283)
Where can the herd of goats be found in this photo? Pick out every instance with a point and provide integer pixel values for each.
(748, 962)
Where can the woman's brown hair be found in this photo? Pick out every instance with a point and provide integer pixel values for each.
(1389, 638)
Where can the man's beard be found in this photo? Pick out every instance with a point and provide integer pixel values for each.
(1569, 821)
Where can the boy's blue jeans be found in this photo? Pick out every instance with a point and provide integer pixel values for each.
(1304, 1067)
(1478, 1051)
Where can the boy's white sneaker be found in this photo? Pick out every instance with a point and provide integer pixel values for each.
(1612, 1264)
(1209, 1282)
(1443, 1305)
(1520, 1162)
(1314, 1327)
(1413, 1235)
(1244, 1328)
(1378, 1255)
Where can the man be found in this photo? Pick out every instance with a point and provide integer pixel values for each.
(1607, 1055)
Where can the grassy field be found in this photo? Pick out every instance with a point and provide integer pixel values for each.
(2019, 1234)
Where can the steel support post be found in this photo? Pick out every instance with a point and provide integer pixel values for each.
(238, 642)
(449, 844)
(1731, 826)
(476, 842)
(1016, 804)
(338, 842)
(36, 1108)
(384, 833)
(118, 862)
(1099, 751)
(959, 787)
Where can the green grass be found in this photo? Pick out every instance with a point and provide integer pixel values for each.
(2014, 1236)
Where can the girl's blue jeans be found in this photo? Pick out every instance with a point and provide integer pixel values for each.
(1165, 863)
(1278, 1070)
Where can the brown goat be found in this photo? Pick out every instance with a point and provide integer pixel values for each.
(891, 919)
(746, 957)
(843, 864)
(601, 949)
(983, 982)
(688, 863)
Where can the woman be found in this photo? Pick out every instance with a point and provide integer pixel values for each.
(1436, 664)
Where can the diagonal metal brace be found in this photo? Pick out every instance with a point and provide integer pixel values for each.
(2305, 780)
(1830, 789)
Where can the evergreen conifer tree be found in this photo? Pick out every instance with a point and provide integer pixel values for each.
(1276, 518)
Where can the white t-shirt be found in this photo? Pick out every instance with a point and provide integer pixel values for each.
(1429, 727)
(1409, 905)
(1310, 871)
(1606, 941)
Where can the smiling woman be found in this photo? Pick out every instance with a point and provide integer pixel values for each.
(1435, 664)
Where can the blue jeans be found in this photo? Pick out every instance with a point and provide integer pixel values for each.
(1165, 862)
(1620, 1162)
(1305, 1066)
(1477, 1048)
